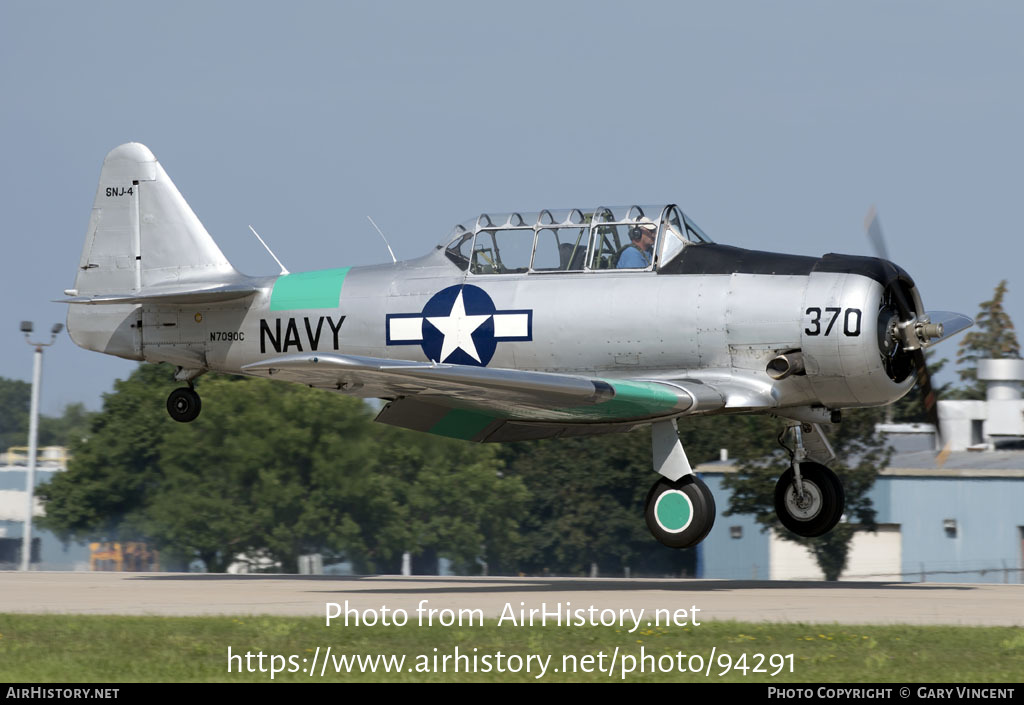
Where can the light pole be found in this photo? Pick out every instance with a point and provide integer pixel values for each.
(33, 435)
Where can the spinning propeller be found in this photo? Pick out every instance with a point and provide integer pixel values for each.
(904, 332)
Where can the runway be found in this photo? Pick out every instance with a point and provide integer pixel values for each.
(307, 595)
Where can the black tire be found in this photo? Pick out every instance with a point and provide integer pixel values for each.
(688, 515)
(840, 501)
(824, 500)
(184, 405)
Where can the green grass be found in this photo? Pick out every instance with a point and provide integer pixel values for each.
(59, 648)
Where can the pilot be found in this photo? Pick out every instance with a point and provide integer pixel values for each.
(638, 254)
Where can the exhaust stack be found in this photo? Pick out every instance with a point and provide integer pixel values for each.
(782, 366)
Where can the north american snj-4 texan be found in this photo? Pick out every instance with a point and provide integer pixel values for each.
(522, 326)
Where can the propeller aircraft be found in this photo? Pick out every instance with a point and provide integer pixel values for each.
(522, 326)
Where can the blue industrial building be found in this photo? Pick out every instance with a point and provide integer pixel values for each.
(963, 522)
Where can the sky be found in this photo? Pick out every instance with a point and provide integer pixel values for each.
(773, 125)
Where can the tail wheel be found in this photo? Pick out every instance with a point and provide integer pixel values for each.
(680, 513)
(184, 405)
(820, 507)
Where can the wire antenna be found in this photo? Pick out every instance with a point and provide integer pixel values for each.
(390, 251)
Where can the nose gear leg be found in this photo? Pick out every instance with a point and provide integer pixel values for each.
(809, 498)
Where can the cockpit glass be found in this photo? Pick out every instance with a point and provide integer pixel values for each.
(504, 251)
(461, 242)
(696, 233)
(572, 240)
(672, 238)
(561, 249)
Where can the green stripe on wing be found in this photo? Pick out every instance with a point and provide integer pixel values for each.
(632, 400)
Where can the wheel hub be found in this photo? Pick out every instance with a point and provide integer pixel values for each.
(807, 506)
(674, 511)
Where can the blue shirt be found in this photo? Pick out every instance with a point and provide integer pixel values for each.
(633, 258)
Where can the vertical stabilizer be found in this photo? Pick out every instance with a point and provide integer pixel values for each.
(142, 234)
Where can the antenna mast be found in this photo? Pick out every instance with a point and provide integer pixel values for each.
(283, 270)
(390, 252)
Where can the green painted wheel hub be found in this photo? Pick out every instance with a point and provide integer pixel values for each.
(674, 511)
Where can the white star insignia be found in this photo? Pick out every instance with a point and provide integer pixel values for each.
(457, 329)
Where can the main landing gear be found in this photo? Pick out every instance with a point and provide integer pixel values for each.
(679, 509)
(809, 498)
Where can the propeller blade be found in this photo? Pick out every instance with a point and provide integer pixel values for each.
(899, 297)
(931, 406)
(873, 226)
(952, 323)
(941, 325)
(924, 381)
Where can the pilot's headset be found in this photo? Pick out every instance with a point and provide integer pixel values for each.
(638, 229)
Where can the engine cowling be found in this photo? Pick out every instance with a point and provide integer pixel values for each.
(852, 311)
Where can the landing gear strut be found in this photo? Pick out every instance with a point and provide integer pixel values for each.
(184, 404)
(809, 498)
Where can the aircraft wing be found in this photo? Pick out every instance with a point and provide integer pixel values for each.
(495, 404)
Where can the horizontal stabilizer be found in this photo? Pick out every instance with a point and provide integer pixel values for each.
(205, 295)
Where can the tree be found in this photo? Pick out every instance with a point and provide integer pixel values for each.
(113, 467)
(451, 500)
(265, 471)
(860, 453)
(73, 424)
(15, 397)
(993, 337)
(15, 403)
(587, 496)
(260, 473)
(274, 470)
(585, 502)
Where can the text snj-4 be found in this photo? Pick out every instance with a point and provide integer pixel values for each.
(526, 325)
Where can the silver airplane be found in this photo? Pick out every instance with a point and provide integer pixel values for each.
(522, 326)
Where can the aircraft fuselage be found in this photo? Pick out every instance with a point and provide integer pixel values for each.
(620, 324)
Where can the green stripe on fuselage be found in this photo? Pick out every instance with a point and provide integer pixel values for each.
(462, 424)
(632, 400)
(321, 289)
